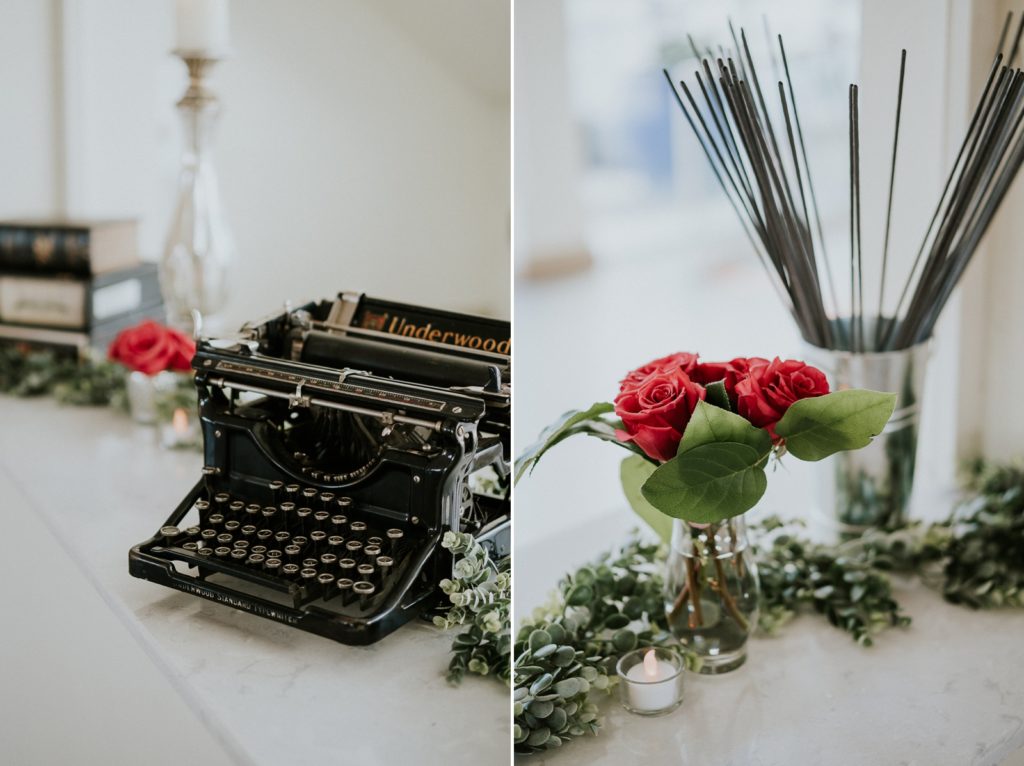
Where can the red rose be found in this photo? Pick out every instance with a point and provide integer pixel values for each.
(683, 360)
(656, 410)
(731, 372)
(151, 348)
(764, 395)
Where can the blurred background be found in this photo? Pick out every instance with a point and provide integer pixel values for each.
(363, 144)
(626, 249)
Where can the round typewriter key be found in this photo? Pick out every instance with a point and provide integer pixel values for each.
(327, 559)
(321, 517)
(261, 549)
(347, 564)
(317, 537)
(232, 525)
(308, 573)
(239, 553)
(384, 563)
(274, 554)
(192, 531)
(300, 540)
(363, 588)
(309, 493)
(244, 544)
(325, 579)
(281, 536)
(209, 470)
(202, 505)
(287, 509)
(191, 547)
(344, 503)
(236, 506)
(272, 565)
(290, 570)
(276, 486)
(353, 546)
(206, 551)
(309, 563)
(224, 538)
(326, 498)
(338, 521)
(302, 514)
(265, 534)
(269, 512)
(216, 519)
(372, 551)
(375, 540)
(365, 571)
(335, 541)
(255, 559)
(249, 530)
(291, 490)
(209, 534)
(395, 534)
(221, 497)
(344, 584)
(169, 532)
(222, 551)
(358, 526)
(252, 510)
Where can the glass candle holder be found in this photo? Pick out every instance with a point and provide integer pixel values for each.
(650, 681)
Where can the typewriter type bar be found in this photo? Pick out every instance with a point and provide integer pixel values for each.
(342, 440)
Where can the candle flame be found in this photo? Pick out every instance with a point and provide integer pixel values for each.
(179, 421)
(650, 665)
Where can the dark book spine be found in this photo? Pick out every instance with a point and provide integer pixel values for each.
(44, 249)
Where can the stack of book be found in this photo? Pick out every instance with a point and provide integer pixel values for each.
(73, 284)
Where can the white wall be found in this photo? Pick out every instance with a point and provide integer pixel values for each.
(349, 156)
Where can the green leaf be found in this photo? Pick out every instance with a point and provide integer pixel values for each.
(820, 426)
(708, 483)
(573, 422)
(633, 472)
(718, 396)
(710, 424)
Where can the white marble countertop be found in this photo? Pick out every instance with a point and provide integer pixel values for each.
(947, 691)
(269, 693)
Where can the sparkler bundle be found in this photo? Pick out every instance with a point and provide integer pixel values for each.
(761, 163)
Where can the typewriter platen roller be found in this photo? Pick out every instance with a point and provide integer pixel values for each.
(342, 439)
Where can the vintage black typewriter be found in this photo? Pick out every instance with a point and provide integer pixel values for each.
(342, 439)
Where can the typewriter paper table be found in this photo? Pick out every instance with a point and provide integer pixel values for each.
(270, 693)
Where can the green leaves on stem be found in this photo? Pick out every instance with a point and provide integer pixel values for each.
(844, 420)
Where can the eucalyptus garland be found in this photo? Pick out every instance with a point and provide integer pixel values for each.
(42, 372)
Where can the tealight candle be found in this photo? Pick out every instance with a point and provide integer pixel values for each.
(650, 681)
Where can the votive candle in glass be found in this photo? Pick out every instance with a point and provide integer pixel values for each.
(650, 681)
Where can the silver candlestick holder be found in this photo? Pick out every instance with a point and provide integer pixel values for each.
(197, 258)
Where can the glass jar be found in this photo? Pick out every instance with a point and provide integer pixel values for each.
(712, 591)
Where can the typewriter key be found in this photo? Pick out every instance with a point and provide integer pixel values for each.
(363, 588)
(365, 571)
(222, 551)
(216, 519)
(242, 544)
(394, 535)
(384, 564)
(375, 540)
(169, 533)
(372, 551)
(232, 526)
(344, 503)
(239, 553)
(343, 584)
(321, 518)
(325, 579)
(236, 507)
(274, 554)
(287, 509)
(300, 541)
(358, 526)
(249, 530)
(272, 565)
(302, 514)
(269, 512)
(338, 522)
(347, 565)
(353, 546)
(327, 498)
(290, 570)
(252, 510)
(308, 574)
(205, 551)
(202, 505)
(291, 490)
(309, 563)
(264, 535)
(192, 531)
(317, 537)
(281, 537)
(224, 538)
(309, 493)
(209, 534)
(221, 498)
(255, 559)
(275, 489)
(327, 559)
(261, 549)
(334, 542)
(193, 547)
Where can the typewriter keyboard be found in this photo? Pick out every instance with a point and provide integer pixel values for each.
(308, 544)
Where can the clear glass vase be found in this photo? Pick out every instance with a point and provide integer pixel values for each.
(711, 592)
(195, 268)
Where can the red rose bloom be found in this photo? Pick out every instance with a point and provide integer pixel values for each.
(767, 391)
(731, 373)
(655, 411)
(683, 360)
(151, 348)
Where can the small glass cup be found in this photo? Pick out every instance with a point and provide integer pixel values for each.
(650, 681)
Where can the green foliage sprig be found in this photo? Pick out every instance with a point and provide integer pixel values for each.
(480, 593)
(569, 648)
(91, 381)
